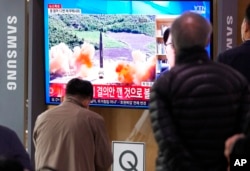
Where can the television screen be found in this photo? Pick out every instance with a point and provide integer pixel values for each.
(115, 44)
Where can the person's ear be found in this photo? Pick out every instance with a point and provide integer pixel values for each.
(63, 98)
(86, 103)
(208, 41)
(247, 27)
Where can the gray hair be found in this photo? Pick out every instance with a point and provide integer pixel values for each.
(190, 30)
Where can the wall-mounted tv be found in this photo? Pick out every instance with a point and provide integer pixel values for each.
(115, 44)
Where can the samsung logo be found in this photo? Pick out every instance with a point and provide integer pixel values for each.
(11, 53)
(229, 36)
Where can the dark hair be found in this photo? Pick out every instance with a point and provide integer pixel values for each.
(9, 164)
(79, 87)
(166, 35)
(247, 14)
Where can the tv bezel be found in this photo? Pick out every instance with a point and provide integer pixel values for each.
(120, 106)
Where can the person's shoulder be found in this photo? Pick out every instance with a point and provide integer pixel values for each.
(166, 75)
(6, 130)
(222, 67)
(96, 115)
(91, 114)
(169, 76)
(160, 81)
(40, 116)
(231, 52)
(228, 71)
(47, 112)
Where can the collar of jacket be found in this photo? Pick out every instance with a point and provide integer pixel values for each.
(74, 100)
(247, 42)
(193, 54)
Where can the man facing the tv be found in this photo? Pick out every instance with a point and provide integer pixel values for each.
(198, 104)
(70, 137)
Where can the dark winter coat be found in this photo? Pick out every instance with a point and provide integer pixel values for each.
(238, 58)
(194, 108)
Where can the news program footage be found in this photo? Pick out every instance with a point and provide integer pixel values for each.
(114, 44)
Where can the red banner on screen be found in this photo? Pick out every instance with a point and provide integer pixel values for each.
(108, 92)
(121, 92)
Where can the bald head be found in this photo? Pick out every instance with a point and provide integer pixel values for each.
(190, 30)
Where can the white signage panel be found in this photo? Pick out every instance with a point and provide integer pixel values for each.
(128, 156)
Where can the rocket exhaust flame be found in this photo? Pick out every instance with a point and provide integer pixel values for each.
(79, 62)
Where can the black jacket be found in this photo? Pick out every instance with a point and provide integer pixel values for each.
(238, 58)
(194, 108)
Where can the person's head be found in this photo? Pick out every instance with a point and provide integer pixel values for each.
(81, 89)
(245, 26)
(190, 30)
(167, 39)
